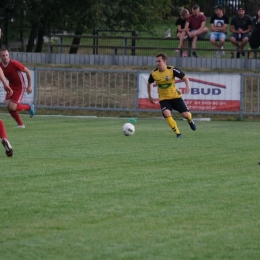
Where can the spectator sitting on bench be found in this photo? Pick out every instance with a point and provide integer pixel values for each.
(181, 33)
(240, 26)
(196, 22)
(218, 26)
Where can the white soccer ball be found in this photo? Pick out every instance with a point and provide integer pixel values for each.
(128, 129)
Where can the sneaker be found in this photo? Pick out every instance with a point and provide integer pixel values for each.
(218, 54)
(243, 53)
(184, 54)
(238, 55)
(32, 110)
(192, 125)
(177, 51)
(222, 53)
(8, 147)
(20, 126)
(179, 136)
(194, 54)
(232, 55)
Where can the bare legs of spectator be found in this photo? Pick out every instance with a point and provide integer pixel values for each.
(219, 45)
(194, 39)
(183, 44)
(239, 46)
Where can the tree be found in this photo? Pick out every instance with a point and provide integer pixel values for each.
(82, 15)
(115, 15)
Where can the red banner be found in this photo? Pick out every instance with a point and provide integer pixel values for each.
(197, 105)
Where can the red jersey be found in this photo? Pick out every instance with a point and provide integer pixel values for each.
(195, 22)
(13, 72)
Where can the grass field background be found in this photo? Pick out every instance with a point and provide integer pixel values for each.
(77, 188)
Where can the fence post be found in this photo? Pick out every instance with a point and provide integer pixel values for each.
(60, 42)
(189, 46)
(137, 75)
(49, 53)
(95, 41)
(241, 96)
(133, 41)
(124, 45)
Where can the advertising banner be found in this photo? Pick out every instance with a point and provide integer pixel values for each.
(209, 92)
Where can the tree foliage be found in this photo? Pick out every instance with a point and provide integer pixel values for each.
(41, 16)
(78, 16)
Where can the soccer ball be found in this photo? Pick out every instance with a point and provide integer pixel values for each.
(128, 129)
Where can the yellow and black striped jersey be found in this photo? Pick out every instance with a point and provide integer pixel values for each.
(166, 82)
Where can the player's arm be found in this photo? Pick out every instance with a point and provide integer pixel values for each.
(178, 73)
(6, 87)
(187, 83)
(149, 88)
(29, 79)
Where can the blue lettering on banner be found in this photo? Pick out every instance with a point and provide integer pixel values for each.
(203, 91)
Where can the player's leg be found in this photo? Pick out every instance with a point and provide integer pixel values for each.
(182, 108)
(5, 142)
(11, 106)
(166, 111)
(17, 98)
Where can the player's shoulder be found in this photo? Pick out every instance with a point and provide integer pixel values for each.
(169, 67)
(155, 70)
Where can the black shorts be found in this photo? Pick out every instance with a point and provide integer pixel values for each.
(177, 104)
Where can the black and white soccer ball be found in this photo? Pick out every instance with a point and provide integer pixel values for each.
(128, 129)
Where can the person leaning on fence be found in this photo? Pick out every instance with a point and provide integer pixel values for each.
(169, 96)
(218, 26)
(197, 25)
(240, 27)
(181, 33)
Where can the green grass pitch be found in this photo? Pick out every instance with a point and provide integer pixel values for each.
(77, 188)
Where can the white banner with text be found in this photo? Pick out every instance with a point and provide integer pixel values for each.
(209, 92)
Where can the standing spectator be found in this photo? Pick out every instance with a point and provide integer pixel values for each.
(3, 135)
(170, 98)
(240, 26)
(181, 33)
(218, 27)
(13, 72)
(197, 24)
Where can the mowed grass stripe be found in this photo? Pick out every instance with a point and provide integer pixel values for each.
(77, 188)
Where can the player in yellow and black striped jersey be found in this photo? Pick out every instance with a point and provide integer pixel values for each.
(170, 97)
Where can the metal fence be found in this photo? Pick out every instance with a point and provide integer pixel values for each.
(113, 90)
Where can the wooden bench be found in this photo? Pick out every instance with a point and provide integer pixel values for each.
(124, 47)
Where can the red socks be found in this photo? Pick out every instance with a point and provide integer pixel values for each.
(22, 107)
(2, 130)
(16, 117)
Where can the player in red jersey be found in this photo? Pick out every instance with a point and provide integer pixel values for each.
(3, 135)
(13, 72)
